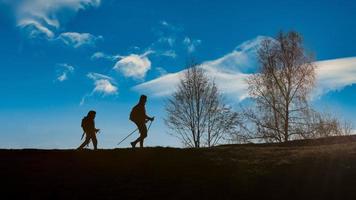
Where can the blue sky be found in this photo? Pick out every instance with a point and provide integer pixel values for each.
(61, 58)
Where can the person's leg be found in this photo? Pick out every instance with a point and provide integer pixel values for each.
(137, 140)
(95, 141)
(133, 144)
(86, 141)
(143, 132)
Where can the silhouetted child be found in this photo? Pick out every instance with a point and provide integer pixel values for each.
(89, 129)
(139, 117)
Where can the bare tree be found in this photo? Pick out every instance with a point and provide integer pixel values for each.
(196, 113)
(318, 125)
(281, 87)
(222, 122)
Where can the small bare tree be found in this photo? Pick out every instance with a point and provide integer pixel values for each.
(318, 125)
(196, 113)
(281, 87)
(222, 122)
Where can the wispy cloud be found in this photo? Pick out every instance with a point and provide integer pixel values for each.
(191, 44)
(169, 26)
(231, 84)
(333, 75)
(35, 29)
(164, 23)
(44, 18)
(77, 40)
(103, 85)
(172, 41)
(231, 70)
(102, 55)
(64, 71)
(162, 86)
(161, 71)
(169, 53)
(134, 65)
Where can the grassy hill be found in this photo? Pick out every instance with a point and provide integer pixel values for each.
(308, 169)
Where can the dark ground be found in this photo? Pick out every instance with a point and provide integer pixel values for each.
(311, 169)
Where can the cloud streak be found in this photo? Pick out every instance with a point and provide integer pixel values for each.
(333, 75)
(101, 55)
(172, 41)
(191, 44)
(77, 40)
(44, 18)
(103, 85)
(231, 70)
(64, 72)
(229, 73)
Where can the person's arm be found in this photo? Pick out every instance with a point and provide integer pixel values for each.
(148, 117)
(96, 129)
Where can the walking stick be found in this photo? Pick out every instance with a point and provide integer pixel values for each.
(127, 136)
(133, 133)
(82, 136)
(149, 126)
(89, 140)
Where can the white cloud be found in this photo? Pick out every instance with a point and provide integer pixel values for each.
(43, 18)
(231, 84)
(169, 40)
(162, 86)
(164, 23)
(64, 71)
(77, 40)
(97, 55)
(231, 70)
(62, 77)
(101, 55)
(228, 72)
(191, 44)
(335, 74)
(170, 26)
(161, 71)
(134, 66)
(97, 76)
(103, 84)
(35, 29)
(169, 53)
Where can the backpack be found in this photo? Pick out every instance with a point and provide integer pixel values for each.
(134, 114)
(84, 124)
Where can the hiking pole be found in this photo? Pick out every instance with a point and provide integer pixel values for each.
(97, 132)
(82, 136)
(89, 140)
(149, 126)
(127, 136)
(133, 133)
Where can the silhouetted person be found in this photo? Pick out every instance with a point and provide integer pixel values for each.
(89, 129)
(139, 117)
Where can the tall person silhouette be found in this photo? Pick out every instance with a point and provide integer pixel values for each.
(89, 129)
(139, 117)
